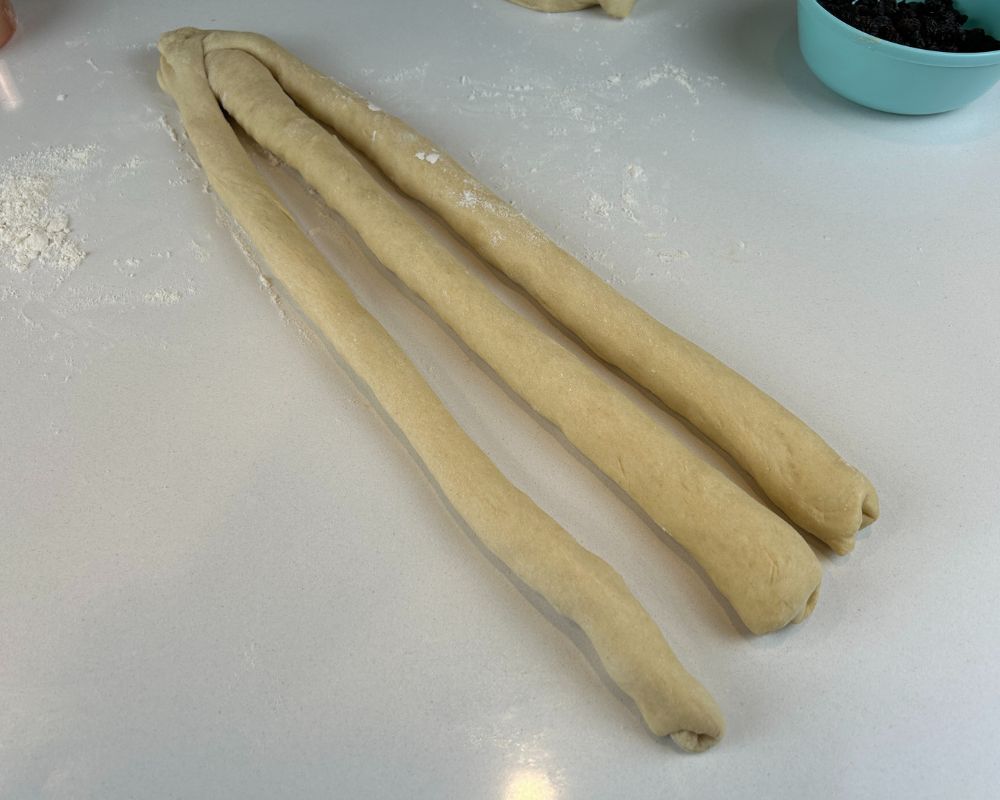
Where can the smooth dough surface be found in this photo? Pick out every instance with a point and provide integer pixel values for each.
(791, 463)
(758, 562)
(537, 550)
(616, 8)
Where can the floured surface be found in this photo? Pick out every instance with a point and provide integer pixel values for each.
(211, 540)
(34, 230)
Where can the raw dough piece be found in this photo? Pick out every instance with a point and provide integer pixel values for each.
(616, 8)
(538, 551)
(759, 562)
(799, 471)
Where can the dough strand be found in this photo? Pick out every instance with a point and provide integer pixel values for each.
(537, 550)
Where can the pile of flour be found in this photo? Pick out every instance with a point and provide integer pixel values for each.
(33, 229)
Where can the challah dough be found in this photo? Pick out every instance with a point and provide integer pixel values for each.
(537, 550)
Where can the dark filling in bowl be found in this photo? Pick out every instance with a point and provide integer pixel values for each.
(931, 25)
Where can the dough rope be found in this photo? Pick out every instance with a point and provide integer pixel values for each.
(538, 551)
(758, 562)
(790, 462)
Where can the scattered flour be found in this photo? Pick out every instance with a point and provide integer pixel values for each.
(79, 299)
(170, 130)
(630, 204)
(410, 74)
(199, 252)
(664, 71)
(599, 206)
(33, 229)
(430, 158)
(621, 106)
(129, 167)
(669, 256)
(679, 76)
(162, 297)
(178, 140)
(242, 240)
(58, 302)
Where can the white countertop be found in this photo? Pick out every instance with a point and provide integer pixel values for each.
(224, 576)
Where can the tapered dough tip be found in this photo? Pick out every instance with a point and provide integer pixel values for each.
(807, 609)
(868, 513)
(869, 507)
(695, 726)
(618, 8)
(692, 742)
(810, 605)
(788, 614)
(842, 546)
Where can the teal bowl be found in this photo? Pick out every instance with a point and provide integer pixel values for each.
(892, 77)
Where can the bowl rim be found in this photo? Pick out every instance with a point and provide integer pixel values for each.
(904, 52)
